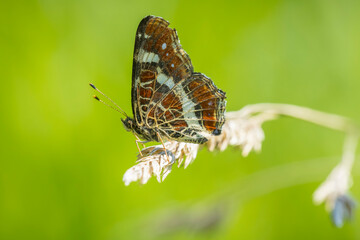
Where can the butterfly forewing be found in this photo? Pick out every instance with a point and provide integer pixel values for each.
(167, 96)
(159, 63)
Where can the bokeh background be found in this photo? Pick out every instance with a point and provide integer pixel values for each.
(63, 154)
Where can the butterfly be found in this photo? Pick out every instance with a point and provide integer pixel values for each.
(169, 100)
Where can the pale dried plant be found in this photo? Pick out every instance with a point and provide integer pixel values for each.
(153, 161)
(243, 129)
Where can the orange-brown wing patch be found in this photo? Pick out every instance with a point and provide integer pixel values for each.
(146, 89)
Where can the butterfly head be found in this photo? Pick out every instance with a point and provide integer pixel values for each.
(128, 124)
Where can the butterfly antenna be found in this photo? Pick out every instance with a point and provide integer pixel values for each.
(97, 98)
(118, 109)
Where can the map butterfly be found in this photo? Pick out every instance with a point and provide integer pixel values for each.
(169, 100)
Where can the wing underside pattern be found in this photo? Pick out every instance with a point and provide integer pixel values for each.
(167, 96)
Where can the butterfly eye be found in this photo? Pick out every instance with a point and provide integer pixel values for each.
(127, 124)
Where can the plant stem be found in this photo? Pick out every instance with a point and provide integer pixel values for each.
(332, 121)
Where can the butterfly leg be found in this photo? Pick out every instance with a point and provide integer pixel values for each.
(137, 141)
(167, 156)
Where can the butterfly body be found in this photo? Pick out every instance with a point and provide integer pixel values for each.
(169, 100)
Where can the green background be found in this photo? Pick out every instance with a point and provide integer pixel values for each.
(63, 154)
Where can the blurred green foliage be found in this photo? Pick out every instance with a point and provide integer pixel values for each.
(63, 154)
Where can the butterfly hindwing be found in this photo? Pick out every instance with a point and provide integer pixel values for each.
(196, 115)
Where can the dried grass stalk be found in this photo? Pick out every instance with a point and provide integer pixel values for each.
(153, 161)
(239, 130)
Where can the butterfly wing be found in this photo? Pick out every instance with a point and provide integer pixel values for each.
(159, 63)
(167, 95)
(192, 111)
